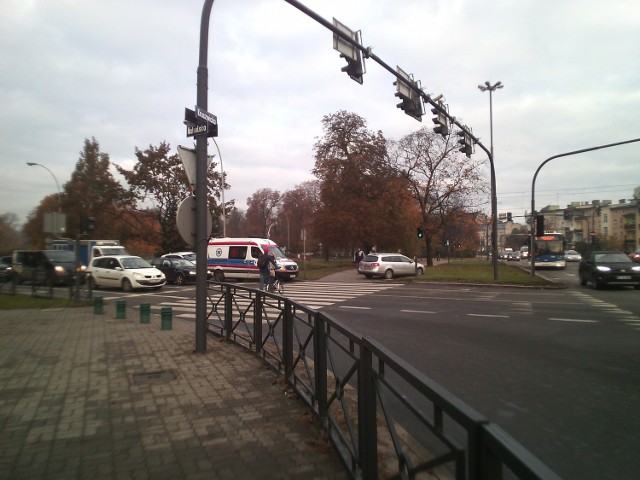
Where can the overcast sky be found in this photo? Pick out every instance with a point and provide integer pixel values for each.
(123, 72)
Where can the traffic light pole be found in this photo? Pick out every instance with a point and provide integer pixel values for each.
(201, 193)
(533, 190)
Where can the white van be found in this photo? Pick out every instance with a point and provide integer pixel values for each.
(238, 258)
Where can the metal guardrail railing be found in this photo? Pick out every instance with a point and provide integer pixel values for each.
(385, 418)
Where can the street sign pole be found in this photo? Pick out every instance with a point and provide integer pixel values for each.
(202, 236)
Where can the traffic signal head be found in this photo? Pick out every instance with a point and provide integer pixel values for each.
(408, 92)
(539, 225)
(466, 143)
(441, 120)
(420, 231)
(354, 68)
(87, 224)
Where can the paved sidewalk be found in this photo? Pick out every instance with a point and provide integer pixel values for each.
(88, 396)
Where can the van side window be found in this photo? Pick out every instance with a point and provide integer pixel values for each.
(255, 252)
(238, 253)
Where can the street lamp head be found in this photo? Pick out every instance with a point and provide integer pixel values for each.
(31, 164)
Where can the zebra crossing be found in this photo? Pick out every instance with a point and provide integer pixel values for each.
(316, 295)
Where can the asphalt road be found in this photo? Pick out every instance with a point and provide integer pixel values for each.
(557, 369)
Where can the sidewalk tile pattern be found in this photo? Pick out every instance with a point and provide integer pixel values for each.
(88, 396)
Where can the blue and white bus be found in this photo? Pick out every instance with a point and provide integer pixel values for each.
(548, 250)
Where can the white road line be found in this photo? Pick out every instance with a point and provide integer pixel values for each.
(355, 308)
(417, 311)
(486, 315)
(577, 320)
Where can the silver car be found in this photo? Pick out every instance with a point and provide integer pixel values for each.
(572, 256)
(388, 265)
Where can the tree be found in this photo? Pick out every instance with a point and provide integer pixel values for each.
(159, 177)
(360, 192)
(262, 211)
(9, 233)
(296, 213)
(444, 183)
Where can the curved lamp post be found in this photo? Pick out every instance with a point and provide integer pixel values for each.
(32, 164)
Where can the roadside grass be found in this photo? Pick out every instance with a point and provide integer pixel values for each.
(14, 302)
(471, 270)
(480, 271)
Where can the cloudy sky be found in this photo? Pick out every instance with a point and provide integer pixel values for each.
(123, 72)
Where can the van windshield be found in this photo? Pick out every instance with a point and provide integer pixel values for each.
(275, 250)
(60, 255)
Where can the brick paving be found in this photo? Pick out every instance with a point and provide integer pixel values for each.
(89, 396)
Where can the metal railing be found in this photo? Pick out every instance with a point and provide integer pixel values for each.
(385, 418)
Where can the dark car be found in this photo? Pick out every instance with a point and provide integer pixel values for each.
(5, 268)
(50, 267)
(177, 270)
(609, 268)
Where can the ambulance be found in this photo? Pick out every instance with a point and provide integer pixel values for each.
(237, 258)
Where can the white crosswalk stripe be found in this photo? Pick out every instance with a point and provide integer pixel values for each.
(316, 295)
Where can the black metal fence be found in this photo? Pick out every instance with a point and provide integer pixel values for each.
(385, 418)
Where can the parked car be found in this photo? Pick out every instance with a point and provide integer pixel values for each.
(191, 256)
(572, 256)
(388, 265)
(124, 271)
(609, 268)
(635, 256)
(177, 270)
(513, 257)
(46, 267)
(5, 268)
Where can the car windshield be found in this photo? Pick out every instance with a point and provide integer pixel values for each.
(571, 252)
(60, 256)
(134, 262)
(183, 263)
(275, 250)
(371, 258)
(612, 258)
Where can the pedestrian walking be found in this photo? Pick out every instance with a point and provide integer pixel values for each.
(264, 263)
(358, 257)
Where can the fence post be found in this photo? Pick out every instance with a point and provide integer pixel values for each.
(257, 321)
(287, 339)
(320, 365)
(228, 311)
(367, 422)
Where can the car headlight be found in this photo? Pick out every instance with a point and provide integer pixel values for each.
(636, 269)
(602, 268)
(138, 276)
(59, 270)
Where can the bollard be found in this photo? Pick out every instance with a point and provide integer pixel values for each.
(121, 309)
(97, 305)
(145, 311)
(166, 314)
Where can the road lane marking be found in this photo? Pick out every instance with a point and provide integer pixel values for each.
(577, 320)
(417, 311)
(355, 308)
(486, 315)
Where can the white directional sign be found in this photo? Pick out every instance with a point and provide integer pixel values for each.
(206, 116)
(188, 157)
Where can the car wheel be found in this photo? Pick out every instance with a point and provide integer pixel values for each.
(92, 283)
(583, 280)
(594, 283)
(420, 271)
(179, 280)
(218, 276)
(126, 285)
(388, 274)
(368, 276)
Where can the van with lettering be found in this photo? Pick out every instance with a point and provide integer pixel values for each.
(237, 258)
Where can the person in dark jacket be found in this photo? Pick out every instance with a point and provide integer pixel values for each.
(264, 262)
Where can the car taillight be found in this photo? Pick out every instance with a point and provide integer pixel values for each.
(375, 264)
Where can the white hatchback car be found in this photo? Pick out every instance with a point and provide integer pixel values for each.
(388, 265)
(124, 271)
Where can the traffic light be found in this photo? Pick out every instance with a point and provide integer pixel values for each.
(466, 142)
(355, 62)
(539, 225)
(408, 92)
(509, 217)
(420, 231)
(440, 119)
(87, 224)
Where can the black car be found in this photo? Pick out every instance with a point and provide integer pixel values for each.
(177, 270)
(48, 267)
(609, 268)
(5, 268)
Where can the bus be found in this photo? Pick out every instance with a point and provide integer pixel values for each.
(548, 250)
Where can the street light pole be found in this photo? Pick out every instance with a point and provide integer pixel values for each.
(494, 200)
(224, 213)
(32, 164)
